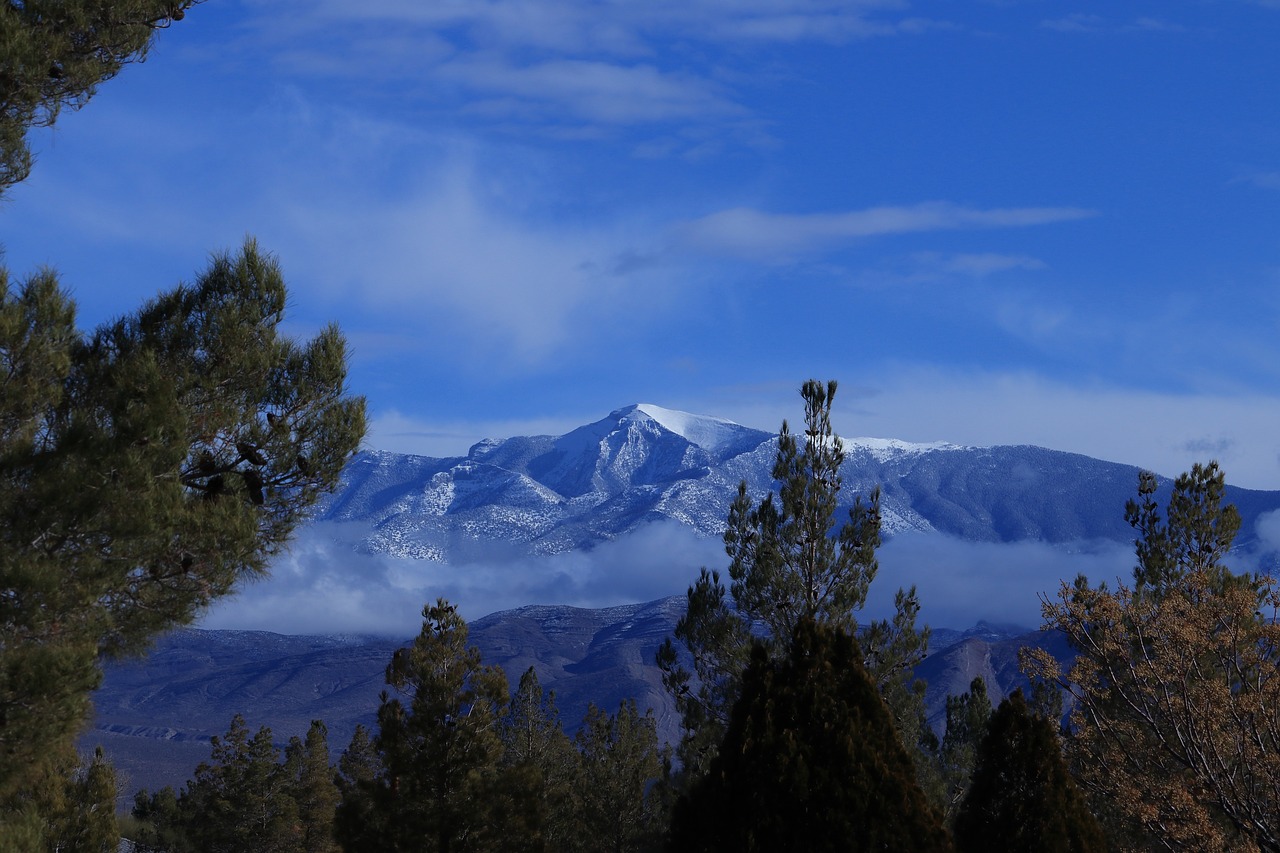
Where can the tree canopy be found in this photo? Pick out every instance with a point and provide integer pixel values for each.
(1022, 799)
(1176, 682)
(55, 53)
(788, 563)
(145, 468)
(811, 760)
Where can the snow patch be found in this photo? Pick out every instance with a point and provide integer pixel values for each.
(884, 449)
(712, 434)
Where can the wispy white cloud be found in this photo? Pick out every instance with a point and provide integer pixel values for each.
(960, 582)
(982, 264)
(453, 256)
(1083, 22)
(582, 26)
(593, 91)
(541, 63)
(1269, 180)
(755, 234)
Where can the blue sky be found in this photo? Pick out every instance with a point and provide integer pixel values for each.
(993, 222)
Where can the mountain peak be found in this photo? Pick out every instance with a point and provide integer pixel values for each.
(711, 434)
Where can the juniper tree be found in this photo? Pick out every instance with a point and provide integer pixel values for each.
(811, 760)
(145, 469)
(55, 53)
(788, 563)
(1022, 799)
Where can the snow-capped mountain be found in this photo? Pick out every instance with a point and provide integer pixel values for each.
(549, 495)
(552, 494)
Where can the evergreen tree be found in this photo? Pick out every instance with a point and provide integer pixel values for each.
(540, 764)
(244, 799)
(1022, 799)
(440, 753)
(360, 822)
(240, 801)
(811, 760)
(619, 808)
(311, 785)
(786, 566)
(54, 53)
(144, 470)
(156, 825)
(968, 716)
(69, 804)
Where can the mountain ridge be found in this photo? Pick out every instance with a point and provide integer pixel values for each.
(533, 496)
(553, 494)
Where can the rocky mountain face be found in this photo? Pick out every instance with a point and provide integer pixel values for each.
(549, 495)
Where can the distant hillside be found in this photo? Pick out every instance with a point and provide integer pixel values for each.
(155, 715)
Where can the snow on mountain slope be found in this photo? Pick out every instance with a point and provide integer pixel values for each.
(714, 435)
(888, 449)
(644, 463)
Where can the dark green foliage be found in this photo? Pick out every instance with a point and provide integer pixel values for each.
(1195, 535)
(90, 818)
(239, 800)
(244, 799)
(788, 562)
(968, 716)
(310, 779)
(358, 823)
(618, 803)
(68, 803)
(440, 754)
(144, 470)
(54, 53)
(811, 761)
(156, 825)
(1022, 799)
(540, 766)
(457, 764)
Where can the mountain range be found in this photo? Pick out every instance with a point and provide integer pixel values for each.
(552, 495)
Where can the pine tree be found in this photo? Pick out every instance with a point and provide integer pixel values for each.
(240, 801)
(786, 566)
(144, 470)
(968, 717)
(811, 761)
(440, 753)
(619, 809)
(360, 821)
(310, 783)
(540, 764)
(1022, 799)
(157, 823)
(54, 54)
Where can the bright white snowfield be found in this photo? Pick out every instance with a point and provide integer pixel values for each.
(713, 434)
